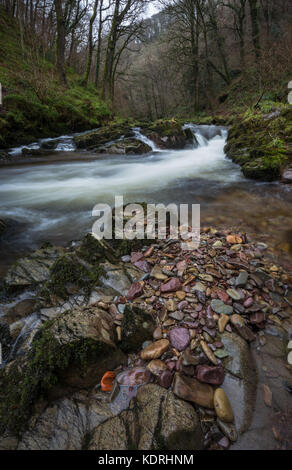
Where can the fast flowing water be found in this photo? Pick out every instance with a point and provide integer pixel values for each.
(52, 201)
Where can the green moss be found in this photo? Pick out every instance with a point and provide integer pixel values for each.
(21, 385)
(260, 143)
(35, 104)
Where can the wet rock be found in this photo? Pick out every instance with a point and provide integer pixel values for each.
(135, 290)
(165, 379)
(222, 322)
(65, 424)
(156, 367)
(207, 351)
(143, 265)
(222, 406)
(158, 420)
(245, 332)
(190, 389)
(137, 326)
(5, 340)
(180, 294)
(210, 375)
(158, 274)
(171, 305)
(228, 429)
(287, 176)
(220, 307)
(157, 333)
(179, 338)
(20, 310)
(155, 350)
(188, 359)
(133, 377)
(235, 295)
(237, 320)
(177, 315)
(33, 269)
(171, 286)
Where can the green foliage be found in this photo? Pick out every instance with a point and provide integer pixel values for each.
(260, 141)
(35, 104)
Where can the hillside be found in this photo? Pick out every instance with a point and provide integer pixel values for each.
(34, 103)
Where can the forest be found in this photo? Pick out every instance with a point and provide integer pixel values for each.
(145, 229)
(189, 57)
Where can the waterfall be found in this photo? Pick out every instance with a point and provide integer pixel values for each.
(145, 140)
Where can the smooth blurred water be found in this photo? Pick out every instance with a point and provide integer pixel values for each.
(53, 201)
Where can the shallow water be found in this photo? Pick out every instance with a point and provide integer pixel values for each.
(53, 201)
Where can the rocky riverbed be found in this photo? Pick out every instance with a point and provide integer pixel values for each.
(198, 343)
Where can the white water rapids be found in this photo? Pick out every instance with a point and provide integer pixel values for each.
(53, 201)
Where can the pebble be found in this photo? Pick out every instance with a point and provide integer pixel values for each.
(222, 406)
(241, 279)
(157, 333)
(180, 294)
(206, 277)
(289, 358)
(179, 338)
(135, 290)
(221, 353)
(207, 351)
(171, 305)
(165, 379)
(177, 315)
(228, 429)
(211, 375)
(222, 322)
(248, 302)
(155, 350)
(234, 294)
(192, 390)
(156, 367)
(220, 307)
(171, 286)
(237, 320)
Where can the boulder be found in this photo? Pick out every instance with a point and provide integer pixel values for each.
(156, 420)
(65, 424)
(70, 352)
(137, 326)
(126, 147)
(33, 269)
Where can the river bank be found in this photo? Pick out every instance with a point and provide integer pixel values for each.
(196, 339)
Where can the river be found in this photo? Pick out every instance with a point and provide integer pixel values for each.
(52, 199)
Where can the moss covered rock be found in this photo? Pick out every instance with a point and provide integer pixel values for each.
(105, 134)
(168, 134)
(261, 143)
(137, 327)
(127, 147)
(73, 351)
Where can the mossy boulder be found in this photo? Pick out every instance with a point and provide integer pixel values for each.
(126, 147)
(261, 143)
(137, 326)
(34, 269)
(104, 135)
(71, 351)
(168, 134)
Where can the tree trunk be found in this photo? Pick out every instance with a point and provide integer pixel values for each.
(61, 42)
(253, 6)
(90, 42)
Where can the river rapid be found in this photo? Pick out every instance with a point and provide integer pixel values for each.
(52, 199)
